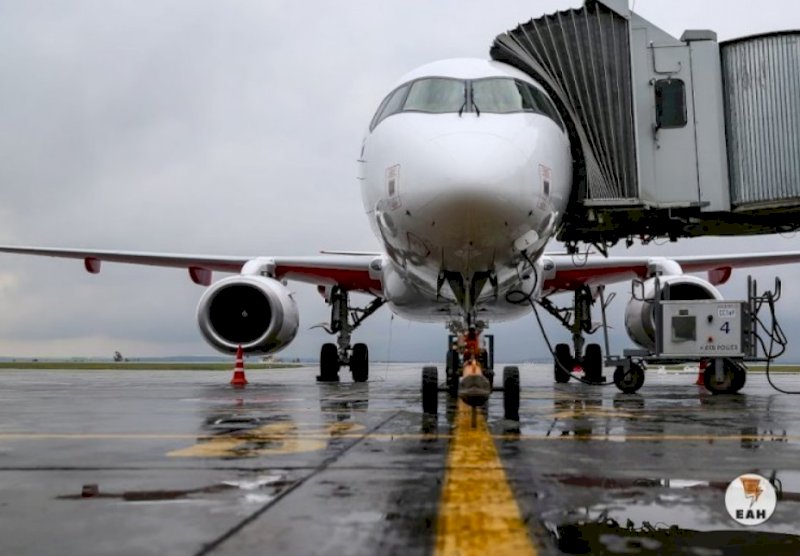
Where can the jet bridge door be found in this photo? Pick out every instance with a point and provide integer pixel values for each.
(668, 118)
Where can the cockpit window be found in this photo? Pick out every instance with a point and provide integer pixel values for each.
(505, 95)
(501, 95)
(436, 95)
(390, 105)
(440, 95)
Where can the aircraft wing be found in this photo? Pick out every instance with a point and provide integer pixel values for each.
(349, 271)
(568, 273)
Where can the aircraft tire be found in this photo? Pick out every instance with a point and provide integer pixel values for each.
(563, 361)
(359, 363)
(328, 363)
(511, 393)
(430, 390)
(593, 363)
(631, 381)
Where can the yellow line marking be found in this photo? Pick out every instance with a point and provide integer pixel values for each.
(584, 413)
(268, 440)
(478, 513)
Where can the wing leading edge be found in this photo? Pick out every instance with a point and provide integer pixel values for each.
(569, 273)
(351, 272)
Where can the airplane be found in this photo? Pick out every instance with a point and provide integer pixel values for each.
(466, 175)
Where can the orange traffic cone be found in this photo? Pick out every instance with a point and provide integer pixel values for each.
(239, 380)
(701, 373)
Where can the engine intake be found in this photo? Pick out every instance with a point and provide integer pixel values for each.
(640, 313)
(258, 313)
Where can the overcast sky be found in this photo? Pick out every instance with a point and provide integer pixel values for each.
(233, 128)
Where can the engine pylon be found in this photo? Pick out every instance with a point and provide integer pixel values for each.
(239, 380)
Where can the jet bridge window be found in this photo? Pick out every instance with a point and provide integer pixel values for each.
(506, 95)
(436, 95)
(670, 103)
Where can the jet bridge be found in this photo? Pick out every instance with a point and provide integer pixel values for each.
(671, 137)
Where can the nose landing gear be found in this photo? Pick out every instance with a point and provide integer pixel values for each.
(470, 374)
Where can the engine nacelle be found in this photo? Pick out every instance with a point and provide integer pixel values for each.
(640, 313)
(258, 313)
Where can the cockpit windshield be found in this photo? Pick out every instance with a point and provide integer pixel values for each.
(505, 95)
(441, 95)
(436, 95)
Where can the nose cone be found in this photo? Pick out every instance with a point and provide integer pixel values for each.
(476, 185)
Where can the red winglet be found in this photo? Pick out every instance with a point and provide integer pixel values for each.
(92, 265)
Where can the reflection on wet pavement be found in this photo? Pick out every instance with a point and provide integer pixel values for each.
(194, 467)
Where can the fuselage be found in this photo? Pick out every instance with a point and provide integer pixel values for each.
(466, 165)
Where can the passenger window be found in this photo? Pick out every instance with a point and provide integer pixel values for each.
(436, 95)
(390, 105)
(670, 103)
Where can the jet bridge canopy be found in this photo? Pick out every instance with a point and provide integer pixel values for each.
(671, 137)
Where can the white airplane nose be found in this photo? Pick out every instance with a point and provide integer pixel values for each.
(476, 185)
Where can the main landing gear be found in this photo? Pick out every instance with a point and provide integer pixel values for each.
(470, 375)
(344, 320)
(577, 320)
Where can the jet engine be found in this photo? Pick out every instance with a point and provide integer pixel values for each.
(258, 313)
(640, 312)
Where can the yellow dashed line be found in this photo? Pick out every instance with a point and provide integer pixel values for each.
(478, 513)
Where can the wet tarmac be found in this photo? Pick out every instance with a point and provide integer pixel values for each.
(178, 462)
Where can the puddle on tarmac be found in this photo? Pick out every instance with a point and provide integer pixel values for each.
(673, 516)
(249, 489)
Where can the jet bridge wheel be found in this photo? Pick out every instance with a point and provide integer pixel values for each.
(359, 363)
(563, 363)
(328, 364)
(430, 390)
(630, 381)
(511, 393)
(734, 375)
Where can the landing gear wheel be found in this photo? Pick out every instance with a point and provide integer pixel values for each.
(593, 364)
(359, 363)
(630, 381)
(430, 390)
(328, 364)
(734, 376)
(511, 393)
(453, 371)
(563, 361)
